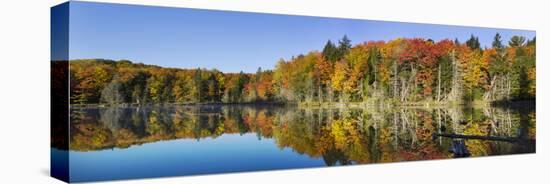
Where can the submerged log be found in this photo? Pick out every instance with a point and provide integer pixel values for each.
(489, 138)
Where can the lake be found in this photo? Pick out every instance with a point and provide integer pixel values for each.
(137, 142)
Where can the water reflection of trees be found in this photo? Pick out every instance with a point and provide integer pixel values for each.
(339, 136)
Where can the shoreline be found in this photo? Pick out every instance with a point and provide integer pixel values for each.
(426, 104)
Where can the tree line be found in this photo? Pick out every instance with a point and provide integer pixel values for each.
(396, 71)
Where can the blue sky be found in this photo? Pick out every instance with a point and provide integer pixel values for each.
(230, 41)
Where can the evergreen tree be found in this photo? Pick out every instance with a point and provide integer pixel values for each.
(343, 47)
(330, 52)
(457, 42)
(497, 42)
(532, 42)
(516, 41)
(197, 79)
(473, 43)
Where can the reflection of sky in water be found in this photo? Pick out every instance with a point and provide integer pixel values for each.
(227, 153)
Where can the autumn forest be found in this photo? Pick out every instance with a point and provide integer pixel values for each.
(152, 91)
(399, 71)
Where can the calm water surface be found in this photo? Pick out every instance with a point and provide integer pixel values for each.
(124, 143)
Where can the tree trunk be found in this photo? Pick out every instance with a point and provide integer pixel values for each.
(320, 94)
(404, 89)
(508, 87)
(361, 90)
(455, 85)
(439, 83)
(330, 94)
(439, 124)
(395, 80)
(489, 94)
(413, 77)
